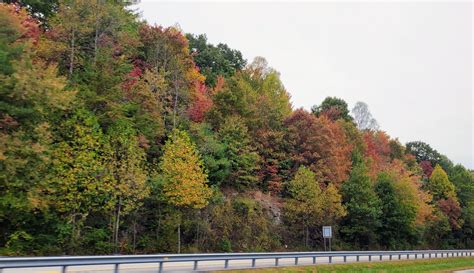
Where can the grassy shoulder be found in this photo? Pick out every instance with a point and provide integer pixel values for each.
(434, 265)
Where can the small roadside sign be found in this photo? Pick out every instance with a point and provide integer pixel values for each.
(327, 231)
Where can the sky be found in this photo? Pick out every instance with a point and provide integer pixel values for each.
(410, 62)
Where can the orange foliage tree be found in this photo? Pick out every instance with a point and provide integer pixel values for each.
(320, 144)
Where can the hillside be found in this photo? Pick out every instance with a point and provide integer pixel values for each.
(117, 136)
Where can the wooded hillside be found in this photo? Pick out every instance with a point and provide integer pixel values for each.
(117, 136)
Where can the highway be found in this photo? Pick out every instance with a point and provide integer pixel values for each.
(203, 265)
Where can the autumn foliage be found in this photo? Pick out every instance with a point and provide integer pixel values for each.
(319, 144)
(117, 136)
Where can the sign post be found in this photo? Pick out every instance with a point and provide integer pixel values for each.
(327, 233)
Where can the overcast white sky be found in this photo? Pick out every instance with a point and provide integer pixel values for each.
(410, 62)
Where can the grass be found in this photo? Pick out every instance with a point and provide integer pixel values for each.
(435, 265)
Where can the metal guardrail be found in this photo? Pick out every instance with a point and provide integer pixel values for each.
(65, 261)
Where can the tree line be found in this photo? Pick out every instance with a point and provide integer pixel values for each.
(117, 136)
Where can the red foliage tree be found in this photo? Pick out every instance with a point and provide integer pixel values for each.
(27, 25)
(427, 168)
(132, 78)
(378, 150)
(201, 103)
(270, 144)
(451, 208)
(319, 144)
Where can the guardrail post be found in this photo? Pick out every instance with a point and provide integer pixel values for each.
(296, 260)
(116, 268)
(63, 269)
(399, 256)
(390, 257)
(442, 254)
(416, 256)
(276, 261)
(314, 260)
(253, 262)
(380, 258)
(429, 255)
(195, 265)
(408, 256)
(330, 259)
(226, 264)
(357, 258)
(370, 258)
(160, 267)
(422, 255)
(345, 258)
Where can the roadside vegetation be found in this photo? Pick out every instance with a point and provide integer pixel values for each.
(118, 136)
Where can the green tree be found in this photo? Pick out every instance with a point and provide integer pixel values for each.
(463, 181)
(128, 169)
(304, 209)
(32, 98)
(213, 152)
(309, 206)
(80, 183)
(397, 218)
(363, 207)
(214, 61)
(334, 108)
(256, 94)
(333, 209)
(423, 152)
(242, 156)
(93, 42)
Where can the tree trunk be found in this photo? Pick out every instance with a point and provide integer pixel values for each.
(71, 57)
(197, 236)
(134, 233)
(158, 228)
(73, 234)
(96, 36)
(179, 237)
(307, 236)
(117, 225)
(176, 88)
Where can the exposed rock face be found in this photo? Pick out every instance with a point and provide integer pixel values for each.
(271, 204)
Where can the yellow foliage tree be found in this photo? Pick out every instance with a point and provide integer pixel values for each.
(183, 176)
(182, 173)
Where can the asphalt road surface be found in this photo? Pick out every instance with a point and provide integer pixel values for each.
(203, 266)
